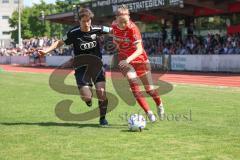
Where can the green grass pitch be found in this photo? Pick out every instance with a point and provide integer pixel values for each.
(203, 123)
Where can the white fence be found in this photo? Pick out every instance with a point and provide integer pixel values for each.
(216, 63)
(108, 60)
(23, 60)
(5, 60)
(58, 60)
(156, 62)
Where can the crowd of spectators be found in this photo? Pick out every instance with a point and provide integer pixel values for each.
(210, 44)
(31, 46)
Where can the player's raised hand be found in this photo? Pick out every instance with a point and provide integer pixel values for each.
(124, 66)
(42, 52)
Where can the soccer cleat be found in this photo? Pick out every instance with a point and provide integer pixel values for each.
(160, 111)
(151, 116)
(89, 103)
(103, 122)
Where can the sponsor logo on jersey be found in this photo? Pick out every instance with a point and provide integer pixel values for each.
(121, 39)
(89, 45)
(93, 36)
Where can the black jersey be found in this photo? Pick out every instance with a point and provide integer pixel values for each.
(86, 42)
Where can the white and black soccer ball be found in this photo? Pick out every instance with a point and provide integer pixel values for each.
(136, 122)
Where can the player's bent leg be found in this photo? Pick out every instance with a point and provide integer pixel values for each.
(149, 87)
(102, 102)
(86, 94)
(84, 85)
(134, 85)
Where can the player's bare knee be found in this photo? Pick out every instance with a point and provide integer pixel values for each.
(133, 82)
(86, 98)
(131, 74)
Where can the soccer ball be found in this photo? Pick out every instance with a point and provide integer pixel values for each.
(136, 122)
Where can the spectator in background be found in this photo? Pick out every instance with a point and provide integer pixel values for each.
(210, 44)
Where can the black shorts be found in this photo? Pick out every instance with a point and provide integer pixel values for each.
(84, 78)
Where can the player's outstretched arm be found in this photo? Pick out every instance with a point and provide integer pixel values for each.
(55, 45)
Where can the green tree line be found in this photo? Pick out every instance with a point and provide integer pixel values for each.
(31, 24)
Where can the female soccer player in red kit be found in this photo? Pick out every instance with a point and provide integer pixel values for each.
(133, 60)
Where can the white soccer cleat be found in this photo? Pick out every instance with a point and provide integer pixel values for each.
(151, 116)
(160, 111)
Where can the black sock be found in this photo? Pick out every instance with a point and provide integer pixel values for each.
(103, 108)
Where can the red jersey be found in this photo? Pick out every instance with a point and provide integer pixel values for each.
(126, 40)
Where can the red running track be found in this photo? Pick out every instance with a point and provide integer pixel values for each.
(212, 79)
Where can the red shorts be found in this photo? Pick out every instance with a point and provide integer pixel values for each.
(141, 68)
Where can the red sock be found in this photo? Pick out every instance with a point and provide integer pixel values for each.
(143, 103)
(155, 96)
(139, 96)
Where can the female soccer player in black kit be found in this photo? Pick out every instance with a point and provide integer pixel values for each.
(84, 41)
